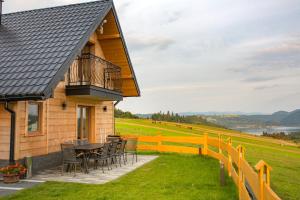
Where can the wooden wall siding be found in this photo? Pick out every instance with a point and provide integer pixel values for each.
(114, 52)
(60, 125)
(105, 121)
(4, 132)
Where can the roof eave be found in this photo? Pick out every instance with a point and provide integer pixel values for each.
(22, 98)
(126, 52)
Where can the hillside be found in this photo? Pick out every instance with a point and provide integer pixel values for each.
(280, 118)
(292, 119)
(283, 156)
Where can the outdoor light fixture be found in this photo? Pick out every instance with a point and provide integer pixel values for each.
(104, 108)
(64, 105)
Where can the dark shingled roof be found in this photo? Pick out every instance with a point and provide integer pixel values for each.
(37, 46)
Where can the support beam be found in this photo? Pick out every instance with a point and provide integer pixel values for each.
(109, 37)
(127, 77)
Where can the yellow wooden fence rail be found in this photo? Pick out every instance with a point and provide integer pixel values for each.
(233, 158)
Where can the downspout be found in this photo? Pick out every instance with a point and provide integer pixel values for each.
(117, 103)
(12, 133)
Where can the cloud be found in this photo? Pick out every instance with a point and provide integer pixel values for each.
(264, 87)
(275, 59)
(138, 43)
(260, 79)
(124, 6)
(174, 88)
(174, 16)
(283, 54)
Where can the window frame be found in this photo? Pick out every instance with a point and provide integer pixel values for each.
(39, 130)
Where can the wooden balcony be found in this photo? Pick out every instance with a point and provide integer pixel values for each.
(94, 76)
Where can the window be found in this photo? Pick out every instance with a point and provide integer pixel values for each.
(34, 117)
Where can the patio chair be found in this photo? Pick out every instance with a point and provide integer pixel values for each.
(121, 152)
(112, 152)
(102, 156)
(117, 154)
(131, 148)
(70, 158)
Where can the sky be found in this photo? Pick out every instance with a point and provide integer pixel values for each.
(207, 55)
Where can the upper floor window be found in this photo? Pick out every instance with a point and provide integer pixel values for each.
(34, 117)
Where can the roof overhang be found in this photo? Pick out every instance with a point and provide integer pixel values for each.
(115, 50)
(22, 98)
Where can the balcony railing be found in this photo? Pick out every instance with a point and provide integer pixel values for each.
(91, 70)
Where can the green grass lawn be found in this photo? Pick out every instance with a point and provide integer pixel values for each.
(284, 159)
(168, 177)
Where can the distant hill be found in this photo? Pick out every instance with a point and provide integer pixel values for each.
(233, 119)
(280, 118)
(292, 119)
(217, 113)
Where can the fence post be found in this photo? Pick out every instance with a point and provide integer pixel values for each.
(241, 153)
(220, 150)
(229, 156)
(263, 170)
(159, 143)
(205, 145)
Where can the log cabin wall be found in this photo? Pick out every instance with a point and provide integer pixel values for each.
(4, 133)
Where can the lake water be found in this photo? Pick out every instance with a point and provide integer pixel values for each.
(270, 129)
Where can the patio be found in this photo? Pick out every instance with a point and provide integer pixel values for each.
(95, 176)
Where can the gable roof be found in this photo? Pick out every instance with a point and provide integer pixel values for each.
(38, 46)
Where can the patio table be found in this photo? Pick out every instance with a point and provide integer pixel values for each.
(86, 149)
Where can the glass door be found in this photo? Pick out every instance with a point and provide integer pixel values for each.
(83, 122)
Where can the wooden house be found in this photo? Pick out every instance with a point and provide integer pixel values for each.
(62, 71)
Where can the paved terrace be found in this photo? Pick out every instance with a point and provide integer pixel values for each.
(93, 177)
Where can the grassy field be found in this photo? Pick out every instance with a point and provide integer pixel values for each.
(284, 157)
(168, 177)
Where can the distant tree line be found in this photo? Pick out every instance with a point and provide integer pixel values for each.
(294, 136)
(175, 117)
(121, 114)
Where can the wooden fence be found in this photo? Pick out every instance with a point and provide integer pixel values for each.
(251, 184)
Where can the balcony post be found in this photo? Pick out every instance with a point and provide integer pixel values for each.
(69, 75)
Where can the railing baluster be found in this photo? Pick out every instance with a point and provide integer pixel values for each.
(69, 75)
